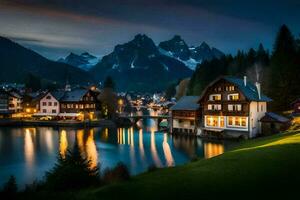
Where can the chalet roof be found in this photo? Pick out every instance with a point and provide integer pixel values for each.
(74, 95)
(250, 90)
(57, 94)
(296, 101)
(273, 117)
(187, 103)
(11, 93)
(15, 94)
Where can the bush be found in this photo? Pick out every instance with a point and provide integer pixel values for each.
(10, 188)
(118, 173)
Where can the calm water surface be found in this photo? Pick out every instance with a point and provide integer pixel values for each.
(28, 152)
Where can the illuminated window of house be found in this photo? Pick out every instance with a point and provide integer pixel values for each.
(212, 121)
(215, 121)
(215, 97)
(244, 123)
(222, 124)
(237, 122)
(214, 107)
(230, 121)
(234, 107)
(233, 96)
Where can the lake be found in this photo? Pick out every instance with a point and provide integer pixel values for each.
(27, 153)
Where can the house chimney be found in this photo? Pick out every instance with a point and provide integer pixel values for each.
(258, 89)
(245, 81)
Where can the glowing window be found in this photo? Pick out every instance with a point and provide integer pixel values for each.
(234, 96)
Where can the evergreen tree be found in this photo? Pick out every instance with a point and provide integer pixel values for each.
(72, 172)
(284, 70)
(10, 187)
(251, 58)
(262, 56)
(32, 81)
(109, 83)
(171, 91)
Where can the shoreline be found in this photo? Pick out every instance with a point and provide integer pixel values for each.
(76, 124)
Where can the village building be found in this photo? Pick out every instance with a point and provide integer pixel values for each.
(76, 104)
(296, 107)
(274, 123)
(185, 115)
(31, 103)
(80, 103)
(10, 103)
(49, 104)
(232, 107)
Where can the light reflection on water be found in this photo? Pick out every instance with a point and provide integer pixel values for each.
(28, 152)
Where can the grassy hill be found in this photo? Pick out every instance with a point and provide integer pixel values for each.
(266, 167)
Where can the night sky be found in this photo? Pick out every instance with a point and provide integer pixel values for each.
(56, 27)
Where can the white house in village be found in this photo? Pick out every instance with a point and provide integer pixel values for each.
(49, 104)
(233, 106)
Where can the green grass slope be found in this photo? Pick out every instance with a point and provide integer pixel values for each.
(262, 168)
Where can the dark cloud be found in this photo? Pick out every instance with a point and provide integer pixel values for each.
(98, 25)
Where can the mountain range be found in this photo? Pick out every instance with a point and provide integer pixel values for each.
(17, 62)
(83, 61)
(138, 65)
(143, 66)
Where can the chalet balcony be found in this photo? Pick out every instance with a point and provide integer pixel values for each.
(226, 113)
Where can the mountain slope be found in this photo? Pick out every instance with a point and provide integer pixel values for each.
(190, 56)
(17, 62)
(139, 65)
(83, 61)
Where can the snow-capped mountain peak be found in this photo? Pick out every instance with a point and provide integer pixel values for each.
(190, 56)
(84, 61)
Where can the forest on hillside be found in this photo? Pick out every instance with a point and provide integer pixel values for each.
(278, 71)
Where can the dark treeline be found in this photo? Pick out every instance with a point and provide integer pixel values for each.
(278, 71)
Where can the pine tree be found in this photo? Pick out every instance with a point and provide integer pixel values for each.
(72, 172)
(284, 70)
(262, 56)
(10, 188)
(109, 83)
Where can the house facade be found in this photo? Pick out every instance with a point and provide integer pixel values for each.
(70, 104)
(80, 101)
(233, 107)
(185, 115)
(10, 103)
(296, 107)
(49, 104)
